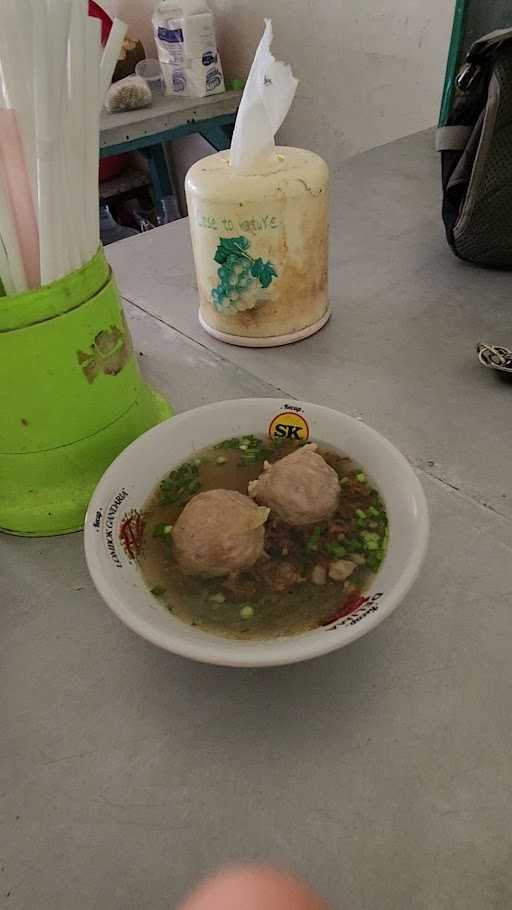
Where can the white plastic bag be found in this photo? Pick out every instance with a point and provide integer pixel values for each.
(128, 94)
(187, 50)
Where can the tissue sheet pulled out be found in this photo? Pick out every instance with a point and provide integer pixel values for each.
(266, 100)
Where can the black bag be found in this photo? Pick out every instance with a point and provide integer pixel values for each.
(476, 155)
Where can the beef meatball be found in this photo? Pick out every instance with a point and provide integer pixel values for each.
(219, 532)
(301, 488)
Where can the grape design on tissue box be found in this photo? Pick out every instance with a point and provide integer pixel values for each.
(187, 49)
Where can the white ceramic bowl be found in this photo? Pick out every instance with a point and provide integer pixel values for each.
(114, 525)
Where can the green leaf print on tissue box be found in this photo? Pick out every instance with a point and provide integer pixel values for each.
(237, 273)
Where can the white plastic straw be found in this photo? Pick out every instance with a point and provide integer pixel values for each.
(16, 70)
(51, 19)
(92, 128)
(74, 143)
(111, 56)
(13, 278)
(53, 79)
(19, 194)
(7, 286)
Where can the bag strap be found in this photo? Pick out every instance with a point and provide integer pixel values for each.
(488, 44)
(479, 55)
(452, 138)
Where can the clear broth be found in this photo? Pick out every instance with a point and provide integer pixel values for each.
(295, 609)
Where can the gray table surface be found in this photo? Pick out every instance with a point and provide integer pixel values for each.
(382, 772)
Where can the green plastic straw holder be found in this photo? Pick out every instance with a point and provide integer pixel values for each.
(71, 398)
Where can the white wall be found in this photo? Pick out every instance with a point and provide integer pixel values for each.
(137, 13)
(369, 70)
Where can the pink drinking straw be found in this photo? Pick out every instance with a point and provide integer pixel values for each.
(18, 187)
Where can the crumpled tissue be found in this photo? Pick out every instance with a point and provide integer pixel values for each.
(266, 100)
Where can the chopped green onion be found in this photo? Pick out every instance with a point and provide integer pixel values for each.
(354, 544)
(228, 444)
(251, 449)
(246, 611)
(373, 512)
(360, 513)
(161, 530)
(180, 485)
(313, 541)
(344, 480)
(218, 598)
(221, 459)
(361, 477)
(336, 550)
